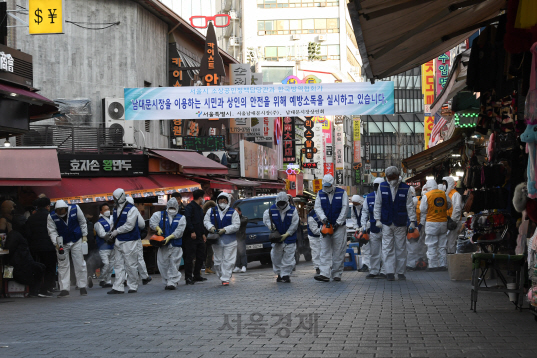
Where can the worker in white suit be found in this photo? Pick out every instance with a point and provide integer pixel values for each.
(455, 212)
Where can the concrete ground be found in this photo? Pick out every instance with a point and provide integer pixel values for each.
(426, 316)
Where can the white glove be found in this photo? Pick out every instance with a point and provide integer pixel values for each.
(411, 227)
(113, 234)
(213, 229)
(378, 224)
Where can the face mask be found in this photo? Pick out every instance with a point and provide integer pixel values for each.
(62, 215)
(328, 189)
(222, 205)
(172, 212)
(281, 205)
(107, 213)
(393, 182)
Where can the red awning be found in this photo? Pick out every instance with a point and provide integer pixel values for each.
(99, 189)
(29, 167)
(271, 185)
(191, 162)
(39, 105)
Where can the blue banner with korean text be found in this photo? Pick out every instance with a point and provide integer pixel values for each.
(355, 98)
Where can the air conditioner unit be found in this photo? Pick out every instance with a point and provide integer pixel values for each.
(296, 37)
(260, 33)
(114, 118)
(321, 37)
(234, 41)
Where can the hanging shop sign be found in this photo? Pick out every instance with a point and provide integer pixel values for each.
(309, 165)
(264, 128)
(258, 161)
(239, 74)
(204, 144)
(317, 185)
(45, 16)
(320, 147)
(329, 168)
(357, 155)
(16, 66)
(328, 152)
(357, 171)
(442, 72)
(256, 101)
(309, 149)
(367, 150)
(212, 71)
(102, 165)
(289, 140)
(340, 140)
(427, 88)
(339, 177)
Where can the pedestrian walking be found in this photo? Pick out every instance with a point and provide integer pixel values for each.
(242, 260)
(393, 209)
(41, 248)
(331, 207)
(106, 250)
(66, 227)
(226, 222)
(282, 218)
(170, 224)
(125, 236)
(194, 239)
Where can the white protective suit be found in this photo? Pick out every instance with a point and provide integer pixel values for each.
(142, 268)
(74, 248)
(416, 248)
(126, 252)
(394, 239)
(356, 224)
(456, 202)
(107, 256)
(333, 247)
(315, 241)
(282, 254)
(225, 255)
(375, 240)
(435, 232)
(169, 256)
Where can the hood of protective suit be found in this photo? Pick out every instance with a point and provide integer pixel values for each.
(130, 200)
(392, 171)
(357, 199)
(60, 204)
(282, 196)
(228, 197)
(450, 183)
(119, 196)
(379, 180)
(172, 204)
(328, 180)
(431, 185)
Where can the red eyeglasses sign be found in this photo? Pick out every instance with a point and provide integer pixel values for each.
(201, 22)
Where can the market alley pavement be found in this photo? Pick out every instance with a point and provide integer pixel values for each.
(426, 316)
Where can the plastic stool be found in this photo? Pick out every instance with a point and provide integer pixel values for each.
(352, 263)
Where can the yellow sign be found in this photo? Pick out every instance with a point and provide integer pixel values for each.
(45, 16)
(317, 185)
(427, 88)
(356, 128)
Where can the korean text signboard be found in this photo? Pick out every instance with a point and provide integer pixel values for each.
(288, 140)
(367, 150)
(340, 140)
(100, 165)
(339, 177)
(259, 101)
(427, 88)
(204, 144)
(239, 74)
(45, 16)
(442, 72)
(357, 155)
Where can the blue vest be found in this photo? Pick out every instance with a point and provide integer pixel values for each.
(222, 223)
(169, 229)
(283, 226)
(370, 200)
(70, 232)
(100, 241)
(313, 214)
(332, 210)
(134, 234)
(394, 211)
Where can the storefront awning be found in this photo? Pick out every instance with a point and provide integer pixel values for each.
(90, 190)
(40, 106)
(433, 156)
(271, 185)
(456, 81)
(191, 162)
(397, 35)
(29, 167)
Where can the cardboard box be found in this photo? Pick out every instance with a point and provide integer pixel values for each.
(460, 266)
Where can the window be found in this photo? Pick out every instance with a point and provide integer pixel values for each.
(274, 4)
(304, 26)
